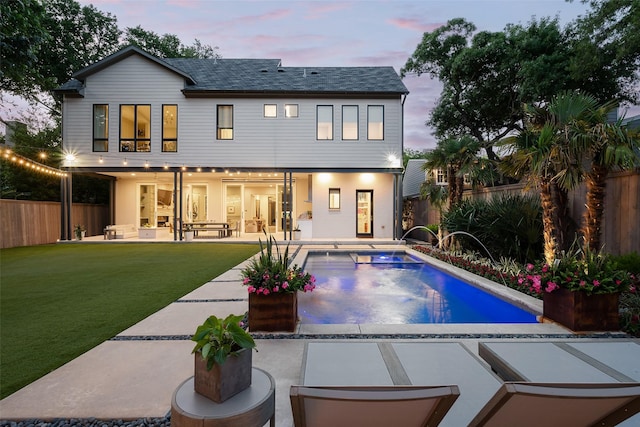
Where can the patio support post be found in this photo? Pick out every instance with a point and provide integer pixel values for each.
(63, 208)
(66, 207)
(181, 199)
(175, 205)
(290, 197)
(397, 232)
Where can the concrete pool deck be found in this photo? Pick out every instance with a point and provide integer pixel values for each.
(134, 374)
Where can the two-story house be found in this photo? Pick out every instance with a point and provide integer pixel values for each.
(247, 142)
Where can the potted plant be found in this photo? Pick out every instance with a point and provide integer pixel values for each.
(273, 285)
(222, 357)
(188, 232)
(79, 231)
(580, 290)
(297, 233)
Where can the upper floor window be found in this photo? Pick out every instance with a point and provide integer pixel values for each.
(101, 127)
(135, 128)
(291, 110)
(270, 110)
(375, 122)
(324, 122)
(225, 122)
(350, 122)
(170, 128)
(441, 176)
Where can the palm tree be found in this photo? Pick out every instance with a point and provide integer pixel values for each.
(611, 147)
(437, 196)
(549, 153)
(458, 156)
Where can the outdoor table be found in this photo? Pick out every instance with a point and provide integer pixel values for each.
(403, 363)
(221, 227)
(251, 407)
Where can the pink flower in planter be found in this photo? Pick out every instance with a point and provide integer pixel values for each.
(583, 283)
(251, 289)
(529, 267)
(551, 287)
(245, 281)
(285, 285)
(265, 292)
(596, 283)
(276, 288)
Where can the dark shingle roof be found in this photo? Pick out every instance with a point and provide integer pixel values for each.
(264, 75)
(258, 76)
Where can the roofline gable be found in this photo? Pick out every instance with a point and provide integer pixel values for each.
(123, 54)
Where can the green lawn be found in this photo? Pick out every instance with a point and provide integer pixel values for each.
(58, 301)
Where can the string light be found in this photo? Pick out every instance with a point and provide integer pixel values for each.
(32, 165)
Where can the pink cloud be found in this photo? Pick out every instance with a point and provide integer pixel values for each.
(414, 24)
(318, 11)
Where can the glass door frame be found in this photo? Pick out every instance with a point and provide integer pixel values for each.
(364, 213)
(230, 209)
(151, 216)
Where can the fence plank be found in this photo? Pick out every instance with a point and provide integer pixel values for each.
(27, 223)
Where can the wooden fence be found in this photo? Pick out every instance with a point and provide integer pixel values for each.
(621, 227)
(26, 223)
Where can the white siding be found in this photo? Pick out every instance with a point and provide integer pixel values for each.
(258, 142)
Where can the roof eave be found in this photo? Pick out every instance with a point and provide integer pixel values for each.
(206, 93)
(125, 53)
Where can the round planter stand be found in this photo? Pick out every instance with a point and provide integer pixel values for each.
(252, 407)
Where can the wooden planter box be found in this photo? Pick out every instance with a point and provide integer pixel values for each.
(581, 312)
(226, 380)
(273, 312)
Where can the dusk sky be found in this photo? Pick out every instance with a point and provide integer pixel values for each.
(331, 33)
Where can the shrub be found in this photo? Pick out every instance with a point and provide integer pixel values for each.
(509, 226)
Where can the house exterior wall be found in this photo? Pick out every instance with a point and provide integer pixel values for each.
(259, 145)
(342, 222)
(258, 141)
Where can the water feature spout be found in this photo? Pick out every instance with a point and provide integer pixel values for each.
(441, 240)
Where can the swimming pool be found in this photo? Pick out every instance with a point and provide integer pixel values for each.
(395, 289)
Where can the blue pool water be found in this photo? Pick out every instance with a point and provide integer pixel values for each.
(396, 290)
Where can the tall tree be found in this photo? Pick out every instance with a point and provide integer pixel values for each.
(167, 45)
(22, 36)
(487, 77)
(606, 50)
(80, 36)
(478, 96)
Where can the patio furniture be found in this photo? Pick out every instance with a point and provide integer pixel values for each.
(335, 364)
(566, 405)
(252, 407)
(565, 361)
(405, 406)
(602, 361)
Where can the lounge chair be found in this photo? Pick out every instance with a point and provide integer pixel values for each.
(382, 406)
(564, 405)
